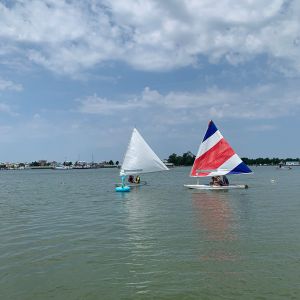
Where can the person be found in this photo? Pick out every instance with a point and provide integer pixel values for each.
(225, 180)
(212, 180)
(219, 181)
(131, 179)
(215, 181)
(137, 179)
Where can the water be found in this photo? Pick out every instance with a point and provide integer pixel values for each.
(68, 235)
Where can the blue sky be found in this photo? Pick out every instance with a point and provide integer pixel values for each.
(76, 76)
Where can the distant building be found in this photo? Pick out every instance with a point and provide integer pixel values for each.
(80, 164)
(42, 162)
(292, 163)
(168, 164)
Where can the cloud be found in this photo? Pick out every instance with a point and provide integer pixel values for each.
(97, 105)
(150, 35)
(261, 102)
(9, 85)
(7, 109)
(76, 36)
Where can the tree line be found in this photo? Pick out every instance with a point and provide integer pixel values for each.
(267, 161)
(187, 159)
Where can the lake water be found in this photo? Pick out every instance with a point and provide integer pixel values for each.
(69, 235)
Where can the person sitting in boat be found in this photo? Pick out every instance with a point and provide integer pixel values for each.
(137, 179)
(218, 181)
(131, 179)
(215, 181)
(225, 180)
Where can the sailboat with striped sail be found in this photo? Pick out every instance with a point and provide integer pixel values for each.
(215, 158)
(139, 159)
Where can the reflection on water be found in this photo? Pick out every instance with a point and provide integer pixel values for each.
(138, 242)
(216, 220)
(215, 215)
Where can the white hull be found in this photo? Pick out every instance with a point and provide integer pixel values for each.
(211, 187)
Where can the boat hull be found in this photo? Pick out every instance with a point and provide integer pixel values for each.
(211, 187)
(133, 185)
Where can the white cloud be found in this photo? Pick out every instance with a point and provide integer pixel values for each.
(150, 35)
(9, 85)
(7, 109)
(261, 102)
(97, 105)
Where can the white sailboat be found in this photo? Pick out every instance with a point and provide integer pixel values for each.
(216, 157)
(139, 159)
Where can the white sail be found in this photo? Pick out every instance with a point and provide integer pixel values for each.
(140, 158)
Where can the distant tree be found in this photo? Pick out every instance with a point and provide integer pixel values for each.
(173, 159)
(188, 158)
(111, 162)
(117, 163)
(266, 160)
(3, 166)
(35, 164)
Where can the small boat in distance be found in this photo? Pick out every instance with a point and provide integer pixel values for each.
(61, 167)
(139, 159)
(216, 157)
(281, 167)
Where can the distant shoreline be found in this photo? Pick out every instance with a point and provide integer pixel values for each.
(174, 160)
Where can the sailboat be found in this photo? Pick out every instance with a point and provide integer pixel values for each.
(216, 157)
(139, 159)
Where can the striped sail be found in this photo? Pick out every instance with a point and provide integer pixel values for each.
(216, 157)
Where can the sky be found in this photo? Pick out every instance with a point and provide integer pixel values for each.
(77, 75)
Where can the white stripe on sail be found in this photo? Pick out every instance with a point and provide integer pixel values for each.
(227, 166)
(209, 143)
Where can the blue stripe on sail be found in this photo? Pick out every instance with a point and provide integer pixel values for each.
(210, 130)
(241, 168)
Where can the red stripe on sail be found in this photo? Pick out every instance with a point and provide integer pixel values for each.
(213, 158)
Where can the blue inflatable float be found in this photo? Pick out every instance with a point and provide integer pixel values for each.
(124, 188)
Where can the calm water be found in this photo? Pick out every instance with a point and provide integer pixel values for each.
(68, 235)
